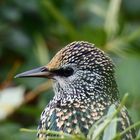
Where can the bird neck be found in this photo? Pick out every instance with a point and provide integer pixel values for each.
(70, 93)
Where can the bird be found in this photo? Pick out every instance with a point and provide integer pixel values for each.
(83, 78)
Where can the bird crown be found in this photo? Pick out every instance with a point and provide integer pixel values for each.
(82, 54)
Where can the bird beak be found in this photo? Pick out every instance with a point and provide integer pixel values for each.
(37, 72)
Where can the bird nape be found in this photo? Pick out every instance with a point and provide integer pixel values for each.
(85, 88)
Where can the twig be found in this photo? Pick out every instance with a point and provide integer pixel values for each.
(10, 74)
(31, 95)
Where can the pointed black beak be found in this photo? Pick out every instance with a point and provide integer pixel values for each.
(37, 72)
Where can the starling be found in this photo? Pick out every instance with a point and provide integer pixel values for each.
(85, 88)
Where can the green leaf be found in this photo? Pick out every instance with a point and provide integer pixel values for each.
(110, 130)
(41, 50)
(111, 22)
(61, 19)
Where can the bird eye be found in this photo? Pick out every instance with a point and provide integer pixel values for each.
(66, 72)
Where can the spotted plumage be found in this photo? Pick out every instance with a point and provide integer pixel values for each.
(85, 88)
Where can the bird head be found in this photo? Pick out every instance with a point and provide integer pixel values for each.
(78, 69)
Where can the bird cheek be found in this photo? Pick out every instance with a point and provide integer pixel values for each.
(62, 82)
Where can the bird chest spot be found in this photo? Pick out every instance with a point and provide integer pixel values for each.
(58, 109)
(74, 112)
(86, 126)
(75, 121)
(91, 122)
(68, 124)
(83, 110)
(101, 113)
(65, 110)
(82, 106)
(97, 117)
(69, 114)
(49, 123)
(59, 114)
(64, 118)
(77, 105)
(59, 124)
(57, 120)
(69, 130)
(88, 116)
(94, 114)
(83, 119)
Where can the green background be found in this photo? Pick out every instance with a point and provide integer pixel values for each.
(32, 31)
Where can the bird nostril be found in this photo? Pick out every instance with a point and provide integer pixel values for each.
(44, 69)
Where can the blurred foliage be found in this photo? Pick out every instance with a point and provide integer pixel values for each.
(32, 31)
